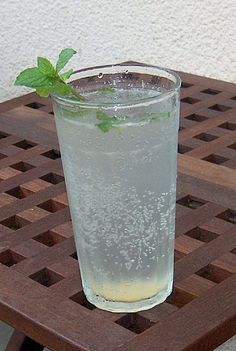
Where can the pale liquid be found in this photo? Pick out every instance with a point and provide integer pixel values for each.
(121, 188)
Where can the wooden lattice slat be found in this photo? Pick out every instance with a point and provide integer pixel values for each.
(40, 287)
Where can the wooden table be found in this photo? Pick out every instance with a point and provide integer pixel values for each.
(40, 288)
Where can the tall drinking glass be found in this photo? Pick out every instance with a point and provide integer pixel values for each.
(119, 151)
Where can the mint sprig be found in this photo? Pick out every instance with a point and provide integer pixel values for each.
(64, 57)
(106, 122)
(46, 79)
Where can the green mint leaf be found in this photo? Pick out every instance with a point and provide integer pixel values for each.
(43, 91)
(33, 78)
(60, 88)
(46, 77)
(105, 126)
(66, 75)
(45, 66)
(108, 122)
(64, 56)
(106, 90)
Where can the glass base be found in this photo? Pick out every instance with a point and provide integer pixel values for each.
(119, 306)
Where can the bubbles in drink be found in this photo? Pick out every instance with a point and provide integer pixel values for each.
(121, 187)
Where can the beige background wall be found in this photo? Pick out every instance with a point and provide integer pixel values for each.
(196, 36)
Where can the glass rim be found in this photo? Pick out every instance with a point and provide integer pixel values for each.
(167, 73)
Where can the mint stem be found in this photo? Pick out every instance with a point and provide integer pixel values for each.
(45, 78)
(74, 92)
(80, 97)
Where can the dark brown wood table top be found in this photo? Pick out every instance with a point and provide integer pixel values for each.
(40, 287)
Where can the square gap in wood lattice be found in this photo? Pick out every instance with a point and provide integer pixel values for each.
(211, 91)
(80, 298)
(185, 85)
(219, 108)
(205, 137)
(191, 202)
(214, 158)
(53, 178)
(30, 345)
(135, 322)
(179, 255)
(180, 298)
(22, 166)
(14, 222)
(49, 238)
(213, 273)
(3, 135)
(51, 206)
(35, 105)
(53, 154)
(196, 117)
(228, 125)
(19, 192)
(25, 144)
(201, 234)
(46, 277)
(10, 258)
(228, 216)
(74, 256)
(2, 156)
(190, 100)
(232, 146)
(183, 149)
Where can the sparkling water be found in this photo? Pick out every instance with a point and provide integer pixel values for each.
(121, 188)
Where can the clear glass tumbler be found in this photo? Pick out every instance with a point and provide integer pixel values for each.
(119, 152)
